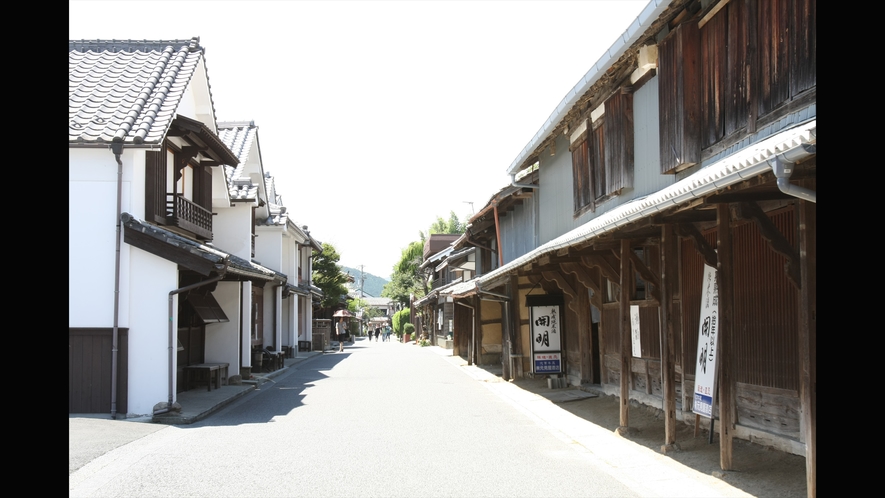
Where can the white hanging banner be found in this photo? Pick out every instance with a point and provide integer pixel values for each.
(708, 342)
(546, 339)
(634, 331)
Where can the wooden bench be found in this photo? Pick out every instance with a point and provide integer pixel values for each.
(203, 372)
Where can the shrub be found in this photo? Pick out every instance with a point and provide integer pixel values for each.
(408, 328)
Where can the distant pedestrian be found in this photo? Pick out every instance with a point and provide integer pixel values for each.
(387, 333)
(377, 333)
(342, 334)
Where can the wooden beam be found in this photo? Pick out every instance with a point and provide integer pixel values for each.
(700, 243)
(624, 325)
(669, 278)
(690, 216)
(808, 339)
(725, 276)
(647, 274)
(712, 12)
(775, 239)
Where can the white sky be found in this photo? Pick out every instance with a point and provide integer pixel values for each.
(377, 117)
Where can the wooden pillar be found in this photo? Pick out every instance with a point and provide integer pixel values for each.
(584, 331)
(477, 326)
(624, 319)
(725, 276)
(669, 268)
(516, 310)
(808, 338)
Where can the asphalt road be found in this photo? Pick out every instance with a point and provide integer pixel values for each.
(382, 419)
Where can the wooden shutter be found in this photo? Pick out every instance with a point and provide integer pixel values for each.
(582, 186)
(203, 187)
(155, 186)
(679, 98)
(618, 131)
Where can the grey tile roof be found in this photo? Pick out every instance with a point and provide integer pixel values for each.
(239, 137)
(127, 90)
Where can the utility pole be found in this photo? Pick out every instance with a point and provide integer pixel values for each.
(362, 280)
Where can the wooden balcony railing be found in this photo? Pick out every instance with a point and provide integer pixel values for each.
(187, 215)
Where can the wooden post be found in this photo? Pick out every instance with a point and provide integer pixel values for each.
(516, 319)
(808, 338)
(668, 363)
(624, 318)
(477, 325)
(725, 275)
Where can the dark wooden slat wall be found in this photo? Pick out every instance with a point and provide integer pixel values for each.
(714, 67)
(89, 370)
(155, 186)
(804, 61)
(774, 28)
(766, 308)
(735, 109)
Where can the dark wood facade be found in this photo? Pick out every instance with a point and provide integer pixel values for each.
(724, 71)
(89, 370)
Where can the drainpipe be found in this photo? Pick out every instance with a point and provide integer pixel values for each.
(172, 348)
(526, 185)
(782, 167)
(117, 149)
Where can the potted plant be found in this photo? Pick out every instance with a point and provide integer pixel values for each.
(408, 330)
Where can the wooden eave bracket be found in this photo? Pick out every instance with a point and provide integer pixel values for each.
(183, 157)
(586, 280)
(607, 270)
(700, 243)
(567, 289)
(775, 239)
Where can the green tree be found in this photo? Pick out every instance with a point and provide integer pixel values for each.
(450, 226)
(328, 276)
(407, 278)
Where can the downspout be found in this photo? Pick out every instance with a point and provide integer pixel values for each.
(117, 149)
(782, 167)
(526, 185)
(172, 348)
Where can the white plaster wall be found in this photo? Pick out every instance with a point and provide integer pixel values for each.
(223, 339)
(232, 230)
(92, 205)
(269, 247)
(152, 279)
(246, 324)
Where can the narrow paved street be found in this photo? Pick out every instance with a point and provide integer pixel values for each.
(380, 419)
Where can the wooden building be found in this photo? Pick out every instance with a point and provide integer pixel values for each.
(691, 142)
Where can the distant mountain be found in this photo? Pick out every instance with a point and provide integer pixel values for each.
(373, 284)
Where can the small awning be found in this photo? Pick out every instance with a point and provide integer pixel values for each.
(206, 308)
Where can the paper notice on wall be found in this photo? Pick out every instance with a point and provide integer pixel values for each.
(634, 331)
(708, 342)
